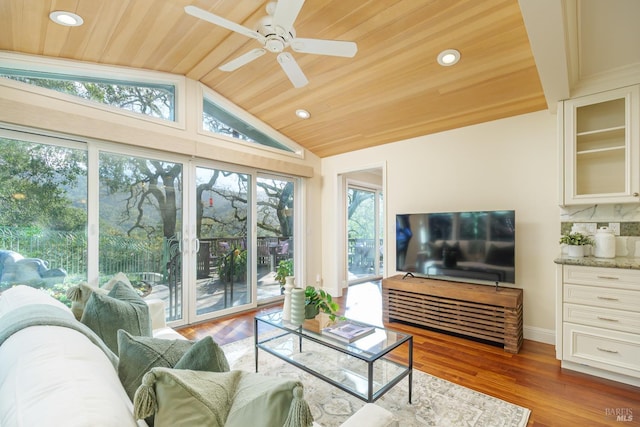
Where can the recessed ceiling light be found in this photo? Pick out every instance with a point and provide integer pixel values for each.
(303, 114)
(448, 57)
(67, 19)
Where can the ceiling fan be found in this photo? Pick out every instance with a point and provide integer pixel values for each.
(275, 33)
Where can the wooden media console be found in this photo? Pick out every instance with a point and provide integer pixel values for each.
(479, 311)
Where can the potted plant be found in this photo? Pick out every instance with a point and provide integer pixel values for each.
(284, 270)
(316, 301)
(575, 243)
(233, 266)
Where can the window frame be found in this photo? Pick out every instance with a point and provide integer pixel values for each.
(94, 71)
(204, 93)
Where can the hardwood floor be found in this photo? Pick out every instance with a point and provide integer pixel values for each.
(532, 378)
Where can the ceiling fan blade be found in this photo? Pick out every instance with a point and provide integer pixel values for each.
(221, 22)
(292, 69)
(286, 13)
(234, 64)
(325, 47)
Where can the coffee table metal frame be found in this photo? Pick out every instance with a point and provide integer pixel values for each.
(274, 319)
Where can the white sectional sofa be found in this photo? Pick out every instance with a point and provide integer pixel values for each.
(56, 375)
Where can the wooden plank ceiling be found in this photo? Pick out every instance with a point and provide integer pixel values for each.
(393, 89)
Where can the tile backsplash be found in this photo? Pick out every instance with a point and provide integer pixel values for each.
(627, 244)
(602, 213)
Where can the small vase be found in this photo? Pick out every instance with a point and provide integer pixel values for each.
(575, 251)
(286, 306)
(297, 306)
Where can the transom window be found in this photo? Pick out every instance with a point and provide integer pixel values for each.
(217, 120)
(154, 100)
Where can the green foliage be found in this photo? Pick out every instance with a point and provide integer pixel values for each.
(322, 301)
(233, 266)
(285, 268)
(361, 205)
(148, 99)
(576, 239)
(34, 184)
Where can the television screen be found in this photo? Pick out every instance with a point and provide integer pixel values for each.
(473, 246)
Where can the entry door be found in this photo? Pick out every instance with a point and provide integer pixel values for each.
(223, 247)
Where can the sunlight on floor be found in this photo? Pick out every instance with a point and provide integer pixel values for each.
(360, 300)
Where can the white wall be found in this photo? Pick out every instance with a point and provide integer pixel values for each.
(505, 164)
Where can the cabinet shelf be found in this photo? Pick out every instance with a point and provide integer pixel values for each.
(602, 131)
(600, 150)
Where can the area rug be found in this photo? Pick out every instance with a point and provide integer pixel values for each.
(436, 402)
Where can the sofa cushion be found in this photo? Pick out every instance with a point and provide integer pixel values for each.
(185, 397)
(230, 399)
(138, 355)
(118, 277)
(204, 355)
(121, 308)
(21, 295)
(79, 295)
(268, 399)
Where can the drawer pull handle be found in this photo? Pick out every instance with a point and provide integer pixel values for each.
(608, 298)
(608, 319)
(608, 277)
(606, 350)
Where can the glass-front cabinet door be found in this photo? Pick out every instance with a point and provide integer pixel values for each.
(602, 148)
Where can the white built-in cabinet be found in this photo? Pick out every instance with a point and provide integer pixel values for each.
(598, 321)
(601, 148)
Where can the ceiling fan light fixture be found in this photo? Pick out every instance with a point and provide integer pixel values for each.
(303, 114)
(68, 19)
(448, 57)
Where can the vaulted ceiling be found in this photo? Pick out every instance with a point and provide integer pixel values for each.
(392, 89)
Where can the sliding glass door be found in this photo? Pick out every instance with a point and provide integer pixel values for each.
(275, 197)
(43, 212)
(222, 224)
(206, 239)
(140, 227)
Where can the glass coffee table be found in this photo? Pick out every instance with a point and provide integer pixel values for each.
(365, 368)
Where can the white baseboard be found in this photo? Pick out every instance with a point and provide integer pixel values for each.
(546, 336)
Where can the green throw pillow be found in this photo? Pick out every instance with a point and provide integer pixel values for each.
(268, 399)
(181, 397)
(121, 308)
(139, 354)
(205, 355)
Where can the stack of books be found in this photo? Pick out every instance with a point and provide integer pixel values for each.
(348, 331)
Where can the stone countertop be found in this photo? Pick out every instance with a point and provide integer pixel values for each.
(589, 261)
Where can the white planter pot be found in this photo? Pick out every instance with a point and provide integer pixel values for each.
(575, 251)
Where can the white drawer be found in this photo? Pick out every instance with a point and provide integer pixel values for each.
(602, 348)
(597, 276)
(620, 299)
(617, 320)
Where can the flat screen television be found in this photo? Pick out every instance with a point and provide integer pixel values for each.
(477, 247)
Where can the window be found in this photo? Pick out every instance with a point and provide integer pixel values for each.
(154, 100)
(217, 120)
(43, 215)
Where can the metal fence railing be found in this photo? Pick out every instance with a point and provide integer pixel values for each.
(68, 251)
